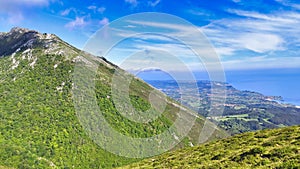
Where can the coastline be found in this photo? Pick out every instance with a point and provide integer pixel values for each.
(269, 82)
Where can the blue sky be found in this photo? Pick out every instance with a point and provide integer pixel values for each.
(247, 34)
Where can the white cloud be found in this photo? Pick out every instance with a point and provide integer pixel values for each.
(257, 32)
(185, 33)
(129, 26)
(101, 9)
(266, 34)
(154, 58)
(225, 51)
(232, 35)
(179, 39)
(14, 9)
(132, 2)
(68, 11)
(289, 4)
(92, 7)
(261, 43)
(257, 15)
(242, 37)
(65, 12)
(79, 22)
(199, 12)
(153, 3)
(262, 62)
(14, 3)
(154, 37)
(96, 9)
(104, 21)
(179, 50)
(181, 29)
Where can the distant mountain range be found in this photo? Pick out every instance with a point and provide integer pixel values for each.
(39, 125)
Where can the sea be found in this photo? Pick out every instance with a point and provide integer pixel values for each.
(270, 82)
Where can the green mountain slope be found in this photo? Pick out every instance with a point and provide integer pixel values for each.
(39, 127)
(276, 148)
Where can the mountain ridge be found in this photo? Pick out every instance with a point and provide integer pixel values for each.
(39, 124)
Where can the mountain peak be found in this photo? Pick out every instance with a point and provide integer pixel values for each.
(21, 39)
(18, 30)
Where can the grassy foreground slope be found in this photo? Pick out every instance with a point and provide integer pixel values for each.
(276, 148)
(39, 127)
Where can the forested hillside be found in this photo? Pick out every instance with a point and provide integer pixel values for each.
(39, 127)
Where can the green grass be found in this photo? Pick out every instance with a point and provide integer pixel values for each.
(277, 148)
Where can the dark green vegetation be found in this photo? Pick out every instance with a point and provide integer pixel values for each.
(276, 148)
(243, 110)
(39, 127)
